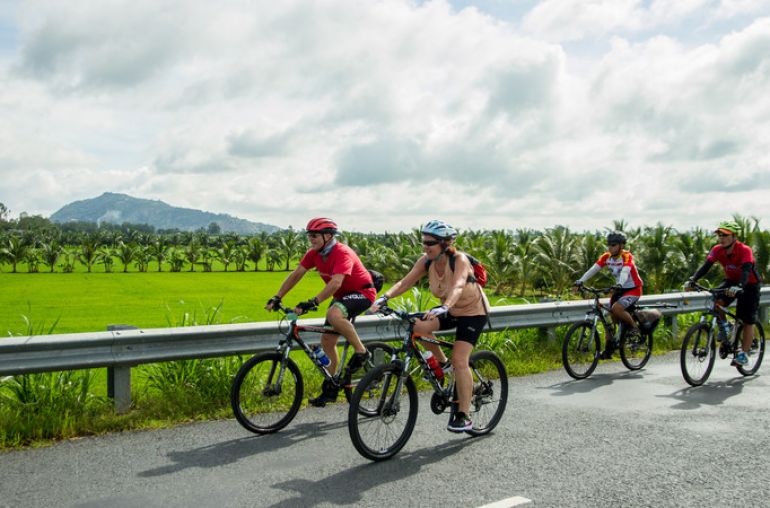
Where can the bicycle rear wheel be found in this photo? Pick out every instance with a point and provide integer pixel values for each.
(635, 351)
(381, 416)
(580, 351)
(698, 354)
(756, 353)
(260, 402)
(490, 392)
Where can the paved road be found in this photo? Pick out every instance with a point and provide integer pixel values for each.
(616, 439)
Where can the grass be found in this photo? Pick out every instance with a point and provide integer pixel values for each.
(83, 302)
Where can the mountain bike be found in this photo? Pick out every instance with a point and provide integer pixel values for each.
(267, 391)
(581, 350)
(383, 408)
(699, 346)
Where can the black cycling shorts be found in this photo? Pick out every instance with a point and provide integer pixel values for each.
(469, 328)
(748, 301)
(351, 305)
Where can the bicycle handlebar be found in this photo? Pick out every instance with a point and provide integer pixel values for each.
(411, 317)
(713, 291)
(595, 291)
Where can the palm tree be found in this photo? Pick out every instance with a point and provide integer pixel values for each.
(255, 249)
(142, 257)
(288, 243)
(654, 255)
(32, 258)
(50, 252)
(555, 257)
(192, 252)
(158, 251)
(88, 250)
(125, 253)
(104, 255)
(13, 250)
(226, 253)
(176, 258)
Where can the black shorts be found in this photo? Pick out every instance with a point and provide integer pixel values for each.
(748, 301)
(469, 328)
(351, 305)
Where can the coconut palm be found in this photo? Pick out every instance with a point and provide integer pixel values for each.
(125, 253)
(555, 258)
(104, 256)
(255, 249)
(289, 243)
(50, 252)
(89, 245)
(13, 250)
(158, 250)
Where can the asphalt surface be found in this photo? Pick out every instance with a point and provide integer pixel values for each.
(619, 438)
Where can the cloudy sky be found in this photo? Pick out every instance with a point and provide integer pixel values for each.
(382, 114)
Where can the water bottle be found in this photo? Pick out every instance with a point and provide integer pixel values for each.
(320, 355)
(433, 364)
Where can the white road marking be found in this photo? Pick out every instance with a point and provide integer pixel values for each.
(508, 503)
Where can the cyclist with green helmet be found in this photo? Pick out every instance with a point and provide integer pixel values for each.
(741, 280)
(463, 307)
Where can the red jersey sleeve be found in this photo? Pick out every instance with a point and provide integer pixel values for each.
(308, 260)
(603, 259)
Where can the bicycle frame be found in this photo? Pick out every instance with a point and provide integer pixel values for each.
(411, 351)
(292, 335)
(712, 314)
(597, 314)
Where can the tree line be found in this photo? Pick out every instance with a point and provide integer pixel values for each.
(520, 262)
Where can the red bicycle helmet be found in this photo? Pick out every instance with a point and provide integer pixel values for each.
(321, 225)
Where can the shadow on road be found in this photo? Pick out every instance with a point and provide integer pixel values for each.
(710, 394)
(591, 383)
(231, 451)
(348, 487)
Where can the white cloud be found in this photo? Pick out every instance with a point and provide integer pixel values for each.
(383, 113)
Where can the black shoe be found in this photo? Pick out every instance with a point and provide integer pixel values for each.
(328, 395)
(606, 354)
(460, 422)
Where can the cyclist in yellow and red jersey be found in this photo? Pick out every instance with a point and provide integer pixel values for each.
(628, 284)
(349, 284)
(741, 280)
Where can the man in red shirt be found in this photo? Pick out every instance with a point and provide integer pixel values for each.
(349, 284)
(741, 280)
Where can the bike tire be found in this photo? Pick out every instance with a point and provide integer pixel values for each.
(756, 353)
(698, 353)
(379, 428)
(490, 392)
(635, 352)
(580, 351)
(376, 360)
(259, 409)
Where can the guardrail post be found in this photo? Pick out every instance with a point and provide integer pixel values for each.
(119, 379)
(763, 315)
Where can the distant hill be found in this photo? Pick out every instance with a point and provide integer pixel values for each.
(120, 208)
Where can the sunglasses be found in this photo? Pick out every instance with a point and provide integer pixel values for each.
(612, 244)
(313, 235)
(430, 243)
(722, 235)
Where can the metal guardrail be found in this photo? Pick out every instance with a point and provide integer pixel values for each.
(121, 348)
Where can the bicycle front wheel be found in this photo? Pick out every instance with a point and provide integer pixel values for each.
(635, 351)
(490, 392)
(756, 353)
(382, 413)
(580, 351)
(698, 354)
(263, 398)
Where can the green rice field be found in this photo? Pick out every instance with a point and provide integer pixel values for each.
(88, 302)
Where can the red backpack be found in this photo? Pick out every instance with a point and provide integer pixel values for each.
(479, 272)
